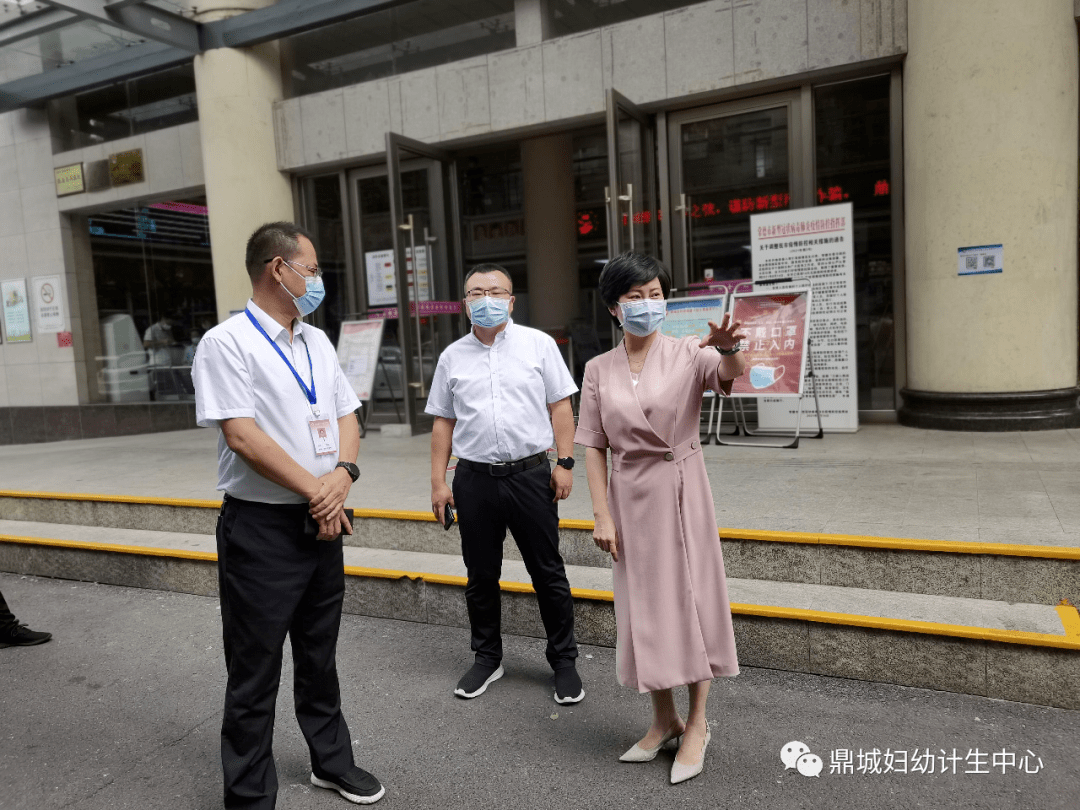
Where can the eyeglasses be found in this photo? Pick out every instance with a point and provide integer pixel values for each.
(476, 293)
(316, 270)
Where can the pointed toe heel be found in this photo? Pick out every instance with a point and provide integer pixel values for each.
(639, 754)
(681, 772)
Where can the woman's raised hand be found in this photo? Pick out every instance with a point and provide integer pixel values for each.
(724, 336)
(605, 536)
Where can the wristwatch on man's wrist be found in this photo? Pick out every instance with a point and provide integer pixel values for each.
(350, 468)
(566, 463)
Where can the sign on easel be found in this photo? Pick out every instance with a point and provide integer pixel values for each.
(358, 353)
(776, 325)
(691, 316)
(814, 245)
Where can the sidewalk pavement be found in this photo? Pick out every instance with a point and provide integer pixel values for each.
(121, 711)
(884, 480)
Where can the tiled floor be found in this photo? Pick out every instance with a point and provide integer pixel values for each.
(884, 480)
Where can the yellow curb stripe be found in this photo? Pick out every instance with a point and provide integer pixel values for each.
(1070, 620)
(75, 496)
(1069, 617)
(803, 538)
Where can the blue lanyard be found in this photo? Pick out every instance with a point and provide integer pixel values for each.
(309, 393)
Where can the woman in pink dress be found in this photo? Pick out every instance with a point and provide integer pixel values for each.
(642, 400)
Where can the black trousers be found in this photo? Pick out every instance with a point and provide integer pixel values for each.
(7, 618)
(486, 507)
(276, 579)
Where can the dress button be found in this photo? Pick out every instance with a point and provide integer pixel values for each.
(693, 445)
(669, 456)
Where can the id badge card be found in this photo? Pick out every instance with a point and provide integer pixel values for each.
(323, 437)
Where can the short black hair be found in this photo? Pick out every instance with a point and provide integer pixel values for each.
(270, 240)
(630, 270)
(481, 269)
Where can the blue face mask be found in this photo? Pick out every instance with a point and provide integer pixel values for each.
(488, 312)
(642, 318)
(310, 300)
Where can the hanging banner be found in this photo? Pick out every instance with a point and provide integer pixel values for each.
(691, 316)
(814, 245)
(16, 310)
(48, 304)
(358, 353)
(382, 282)
(776, 325)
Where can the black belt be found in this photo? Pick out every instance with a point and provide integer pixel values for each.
(508, 468)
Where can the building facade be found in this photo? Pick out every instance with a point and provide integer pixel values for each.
(542, 135)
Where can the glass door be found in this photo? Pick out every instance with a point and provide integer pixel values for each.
(427, 268)
(727, 162)
(631, 192)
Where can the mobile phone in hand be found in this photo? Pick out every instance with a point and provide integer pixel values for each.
(448, 517)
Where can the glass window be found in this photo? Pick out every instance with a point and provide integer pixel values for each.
(328, 226)
(64, 46)
(415, 35)
(853, 165)
(572, 16)
(493, 218)
(154, 281)
(155, 101)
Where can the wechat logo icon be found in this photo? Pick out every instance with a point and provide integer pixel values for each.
(797, 755)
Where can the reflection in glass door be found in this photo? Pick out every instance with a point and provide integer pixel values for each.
(729, 162)
(631, 191)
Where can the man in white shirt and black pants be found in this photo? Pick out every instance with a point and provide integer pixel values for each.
(286, 460)
(499, 396)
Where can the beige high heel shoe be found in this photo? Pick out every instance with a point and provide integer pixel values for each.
(639, 754)
(680, 772)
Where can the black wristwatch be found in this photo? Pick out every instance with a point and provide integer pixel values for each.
(566, 463)
(350, 468)
(728, 352)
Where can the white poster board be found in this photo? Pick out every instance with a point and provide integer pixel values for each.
(691, 316)
(16, 310)
(382, 281)
(814, 245)
(48, 303)
(358, 353)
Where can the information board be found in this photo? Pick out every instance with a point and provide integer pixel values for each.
(358, 353)
(48, 303)
(776, 325)
(691, 316)
(16, 310)
(814, 245)
(382, 280)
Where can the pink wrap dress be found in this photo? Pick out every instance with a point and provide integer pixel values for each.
(671, 604)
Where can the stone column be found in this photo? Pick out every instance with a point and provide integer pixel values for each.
(990, 157)
(532, 22)
(237, 88)
(550, 230)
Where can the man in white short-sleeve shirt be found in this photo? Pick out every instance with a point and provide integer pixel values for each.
(501, 397)
(287, 451)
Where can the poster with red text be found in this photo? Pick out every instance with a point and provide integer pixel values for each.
(814, 247)
(775, 349)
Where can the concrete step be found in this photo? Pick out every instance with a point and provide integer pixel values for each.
(1026, 652)
(1033, 573)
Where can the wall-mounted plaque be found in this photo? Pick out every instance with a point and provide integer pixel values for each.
(97, 176)
(126, 168)
(69, 180)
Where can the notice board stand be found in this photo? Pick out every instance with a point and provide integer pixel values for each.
(777, 325)
(358, 353)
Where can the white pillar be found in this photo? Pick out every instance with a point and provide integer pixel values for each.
(990, 157)
(237, 88)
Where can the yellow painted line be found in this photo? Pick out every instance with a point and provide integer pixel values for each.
(76, 496)
(113, 548)
(1070, 620)
(801, 538)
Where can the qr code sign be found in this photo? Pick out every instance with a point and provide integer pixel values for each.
(988, 261)
(971, 262)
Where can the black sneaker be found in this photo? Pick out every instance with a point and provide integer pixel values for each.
(358, 786)
(19, 635)
(476, 680)
(568, 688)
